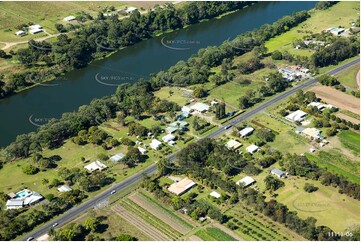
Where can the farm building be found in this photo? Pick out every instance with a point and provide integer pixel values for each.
(142, 150)
(130, 9)
(186, 109)
(117, 157)
(252, 148)
(233, 144)
(178, 188)
(20, 33)
(69, 18)
(246, 181)
(95, 165)
(168, 138)
(215, 194)
(155, 144)
(35, 31)
(23, 198)
(321, 106)
(335, 31)
(278, 172)
(200, 107)
(64, 188)
(298, 115)
(246, 131)
(312, 133)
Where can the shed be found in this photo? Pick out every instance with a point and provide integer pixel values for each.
(117, 157)
(278, 172)
(252, 148)
(246, 181)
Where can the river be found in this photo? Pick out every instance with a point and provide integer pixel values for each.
(26, 111)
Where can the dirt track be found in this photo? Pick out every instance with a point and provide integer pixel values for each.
(337, 98)
(348, 118)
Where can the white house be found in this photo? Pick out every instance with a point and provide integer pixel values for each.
(215, 194)
(252, 148)
(178, 188)
(246, 181)
(23, 198)
(279, 173)
(320, 106)
(168, 137)
(117, 157)
(95, 165)
(155, 144)
(20, 33)
(246, 131)
(200, 107)
(69, 18)
(64, 188)
(233, 144)
(142, 150)
(298, 115)
(130, 9)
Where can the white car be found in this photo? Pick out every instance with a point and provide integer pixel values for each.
(54, 225)
(30, 239)
(112, 192)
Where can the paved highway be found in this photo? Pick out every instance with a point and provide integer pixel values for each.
(78, 210)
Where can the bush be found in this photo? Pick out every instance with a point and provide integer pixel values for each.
(310, 188)
(30, 169)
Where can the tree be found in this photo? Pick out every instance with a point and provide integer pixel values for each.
(273, 183)
(125, 237)
(30, 169)
(277, 55)
(2, 54)
(244, 102)
(199, 92)
(91, 224)
(310, 188)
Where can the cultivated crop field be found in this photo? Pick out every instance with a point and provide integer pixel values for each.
(214, 234)
(337, 98)
(145, 201)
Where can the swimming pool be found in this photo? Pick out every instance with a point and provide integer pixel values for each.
(23, 193)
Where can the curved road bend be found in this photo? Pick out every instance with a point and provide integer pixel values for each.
(77, 210)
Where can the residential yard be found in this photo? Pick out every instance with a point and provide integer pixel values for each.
(341, 14)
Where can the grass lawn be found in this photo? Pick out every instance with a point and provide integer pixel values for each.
(341, 14)
(214, 234)
(327, 205)
(350, 140)
(164, 93)
(348, 77)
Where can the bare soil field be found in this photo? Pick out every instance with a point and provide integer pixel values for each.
(160, 213)
(337, 98)
(194, 238)
(348, 118)
(140, 223)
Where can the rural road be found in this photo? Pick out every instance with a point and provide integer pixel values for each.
(78, 210)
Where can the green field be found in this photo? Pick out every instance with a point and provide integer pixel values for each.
(327, 205)
(341, 14)
(350, 140)
(348, 77)
(214, 234)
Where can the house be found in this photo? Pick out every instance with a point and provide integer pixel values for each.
(69, 18)
(314, 42)
(214, 103)
(95, 165)
(233, 144)
(23, 198)
(35, 31)
(168, 137)
(278, 172)
(130, 9)
(117, 157)
(215, 194)
(246, 131)
(179, 188)
(171, 130)
(20, 33)
(320, 106)
(186, 109)
(335, 31)
(298, 115)
(142, 150)
(252, 148)
(179, 124)
(110, 14)
(35, 26)
(246, 181)
(200, 107)
(155, 144)
(64, 188)
(312, 133)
